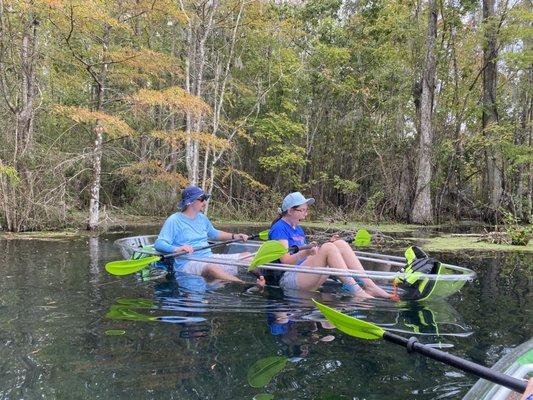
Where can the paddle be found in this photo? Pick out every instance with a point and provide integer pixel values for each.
(272, 250)
(126, 267)
(362, 238)
(365, 330)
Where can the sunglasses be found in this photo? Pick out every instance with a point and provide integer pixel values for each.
(301, 209)
(202, 198)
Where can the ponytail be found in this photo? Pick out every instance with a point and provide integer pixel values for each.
(281, 214)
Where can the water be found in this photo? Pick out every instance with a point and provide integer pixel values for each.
(70, 330)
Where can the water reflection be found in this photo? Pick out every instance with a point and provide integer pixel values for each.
(290, 317)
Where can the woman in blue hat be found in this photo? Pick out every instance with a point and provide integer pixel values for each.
(334, 254)
(188, 229)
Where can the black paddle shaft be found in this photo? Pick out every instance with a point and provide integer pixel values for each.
(468, 366)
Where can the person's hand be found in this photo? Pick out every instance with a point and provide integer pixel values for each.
(241, 236)
(184, 249)
(261, 282)
(334, 238)
(528, 394)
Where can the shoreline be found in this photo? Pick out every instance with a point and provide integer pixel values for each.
(428, 237)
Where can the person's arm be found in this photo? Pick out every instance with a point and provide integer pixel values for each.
(296, 257)
(232, 236)
(217, 234)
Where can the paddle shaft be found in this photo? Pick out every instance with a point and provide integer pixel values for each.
(211, 246)
(300, 268)
(382, 260)
(468, 366)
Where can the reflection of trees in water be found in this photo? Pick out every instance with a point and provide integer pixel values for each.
(498, 304)
(47, 299)
(94, 257)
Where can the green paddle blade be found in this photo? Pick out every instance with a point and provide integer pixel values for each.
(124, 313)
(362, 238)
(126, 267)
(268, 252)
(137, 303)
(263, 370)
(350, 325)
(263, 235)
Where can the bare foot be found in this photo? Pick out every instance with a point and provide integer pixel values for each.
(362, 294)
(375, 290)
(355, 291)
(260, 282)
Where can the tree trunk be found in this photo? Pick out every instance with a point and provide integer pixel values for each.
(18, 95)
(403, 190)
(26, 112)
(189, 145)
(422, 208)
(494, 162)
(524, 133)
(94, 202)
(194, 77)
(221, 78)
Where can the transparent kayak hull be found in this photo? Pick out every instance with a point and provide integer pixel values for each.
(380, 267)
(518, 363)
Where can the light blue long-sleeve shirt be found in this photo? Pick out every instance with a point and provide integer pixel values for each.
(179, 230)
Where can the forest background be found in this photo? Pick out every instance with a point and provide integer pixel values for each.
(414, 111)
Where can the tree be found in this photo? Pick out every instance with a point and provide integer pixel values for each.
(493, 156)
(19, 59)
(422, 211)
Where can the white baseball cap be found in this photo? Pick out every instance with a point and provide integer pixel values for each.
(295, 199)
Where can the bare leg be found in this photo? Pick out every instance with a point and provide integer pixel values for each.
(328, 256)
(353, 263)
(213, 271)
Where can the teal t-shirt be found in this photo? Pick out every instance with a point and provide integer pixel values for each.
(179, 230)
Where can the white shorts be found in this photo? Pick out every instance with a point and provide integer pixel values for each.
(288, 281)
(197, 267)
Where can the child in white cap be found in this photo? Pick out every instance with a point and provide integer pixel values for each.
(334, 254)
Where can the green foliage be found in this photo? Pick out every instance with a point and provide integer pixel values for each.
(519, 234)
(321, 96)
(372, 204)
(11, 174)
(280, 136)
(345, 186)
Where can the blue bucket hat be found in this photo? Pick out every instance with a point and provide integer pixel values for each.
(295, 199)
(189, 195)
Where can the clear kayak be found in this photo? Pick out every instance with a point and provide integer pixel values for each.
(518, 363)
(382, 268)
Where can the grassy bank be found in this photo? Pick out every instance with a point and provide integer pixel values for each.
(390, 234)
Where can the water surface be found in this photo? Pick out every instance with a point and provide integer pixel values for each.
(70, 330)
